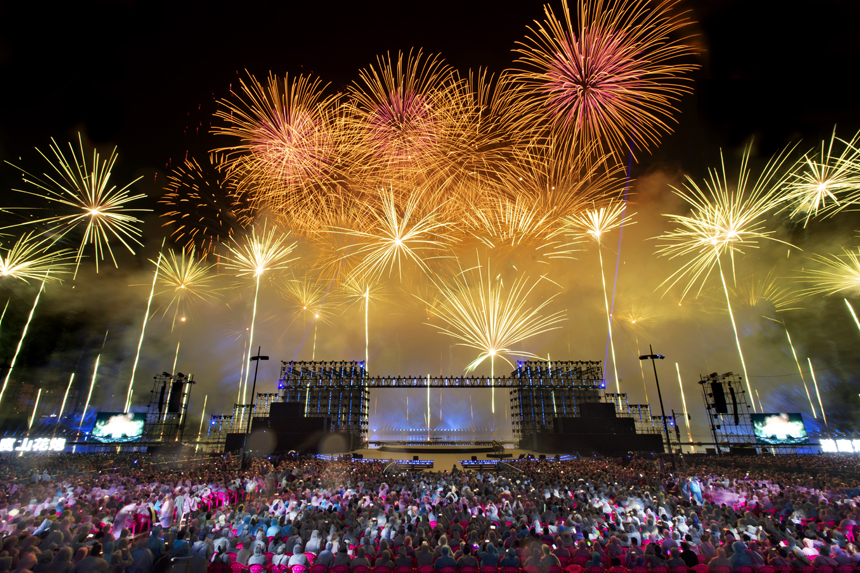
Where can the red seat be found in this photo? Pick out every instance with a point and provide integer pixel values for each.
(448, 570)
(218, 568)
(845, 568)
(659, 570)
(426, 569)
(340, 569)
(269, 556)
(766, 569)
(722, 570)
(700, 568)
(702, 559)
(232, 557)
(553, 569)
(382, 569)
(257, 568)
(824, 569)
(319, 569)
(469, 570)
(618, 569)
(595, 569)
(508, 570)
(744, 569)
(640, 569)
(682, 569)
(360, 569)
(237, 568)
(298, 569)
(581, 560)
(487, 569)
(403, 569)
(311, 557)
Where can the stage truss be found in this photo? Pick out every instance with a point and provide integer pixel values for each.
(168, 407)
(340, 392)
(728, 411)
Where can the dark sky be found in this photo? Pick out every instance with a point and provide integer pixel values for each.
(139, 73)
(145, 75)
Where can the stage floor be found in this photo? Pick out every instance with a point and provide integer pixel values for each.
(442, 460)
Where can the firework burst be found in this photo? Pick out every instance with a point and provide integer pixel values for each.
(84, 197)
(765, 294)
(286, 159)
(820, 177)
(187, 279)
(596, 222)
(724, 221)
(255, 255)
(309, 298)
(304, 296)
(202, 212)
(612, 71)
(366, 292)
(838, 273)
(483, 315)
(400, 114)
(28, 259)
(398, 232)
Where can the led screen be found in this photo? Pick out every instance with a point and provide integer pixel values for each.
(112, 427)
(779, 429)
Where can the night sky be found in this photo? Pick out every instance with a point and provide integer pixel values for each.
(145, 76)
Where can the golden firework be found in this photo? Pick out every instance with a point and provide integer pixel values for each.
(83, 196)
(187, 279)
(723, 220)
(397, 232)
(596, 222)
(400, 114)
(819, 178)
(609, 75)
(286, 158)
(309, 297)
(366, 292)
(255, 255)
(29, 259)
(838, 273)
(483, 315)
(765, 293)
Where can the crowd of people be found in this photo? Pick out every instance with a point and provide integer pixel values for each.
(135, 513)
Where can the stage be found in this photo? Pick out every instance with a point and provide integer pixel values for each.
(443, 457)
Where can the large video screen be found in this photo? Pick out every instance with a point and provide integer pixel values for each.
(115, 427)
(779, 429)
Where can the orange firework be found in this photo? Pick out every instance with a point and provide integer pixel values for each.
(608, 74)
(286, 155)
(400, 114)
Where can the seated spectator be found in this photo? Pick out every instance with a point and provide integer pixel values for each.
(490, 558)
(403, 559)
(824, 559)
(446, 559)
(467, 559)
(675, 559)
(548, 559)
(258, 558)
(719, 561)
